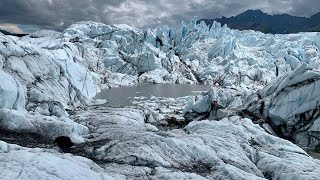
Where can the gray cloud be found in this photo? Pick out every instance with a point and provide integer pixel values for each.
(10, 28)
(58, 14)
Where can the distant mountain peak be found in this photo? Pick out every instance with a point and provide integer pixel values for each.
(316, 15)
(256, 11)
(277, 24)
(252, 14)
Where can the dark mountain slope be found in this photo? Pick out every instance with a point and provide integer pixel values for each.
(276, 24)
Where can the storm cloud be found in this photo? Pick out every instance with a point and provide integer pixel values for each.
(30, 15)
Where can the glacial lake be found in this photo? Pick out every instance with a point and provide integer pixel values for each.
(122, 96)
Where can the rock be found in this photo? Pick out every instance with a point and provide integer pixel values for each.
(64, 143)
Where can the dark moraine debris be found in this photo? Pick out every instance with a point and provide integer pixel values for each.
(25, 139)
(173, 122)
(64, 143)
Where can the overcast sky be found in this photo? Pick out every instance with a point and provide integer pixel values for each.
(31, 15)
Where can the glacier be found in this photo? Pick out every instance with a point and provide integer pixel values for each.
(264, 94)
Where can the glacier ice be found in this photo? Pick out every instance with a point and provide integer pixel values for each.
(291, 101)
(22, 163)
(48, 80)
(233, 148)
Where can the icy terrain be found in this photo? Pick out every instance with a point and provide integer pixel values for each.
(265, 89)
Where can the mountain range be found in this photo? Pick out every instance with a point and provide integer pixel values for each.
(275, 24)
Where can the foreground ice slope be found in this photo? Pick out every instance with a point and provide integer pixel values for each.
(233, 148)
(126, 147)
(22, 163)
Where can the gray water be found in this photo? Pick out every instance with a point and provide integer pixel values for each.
(313, 153)
(123, 96)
